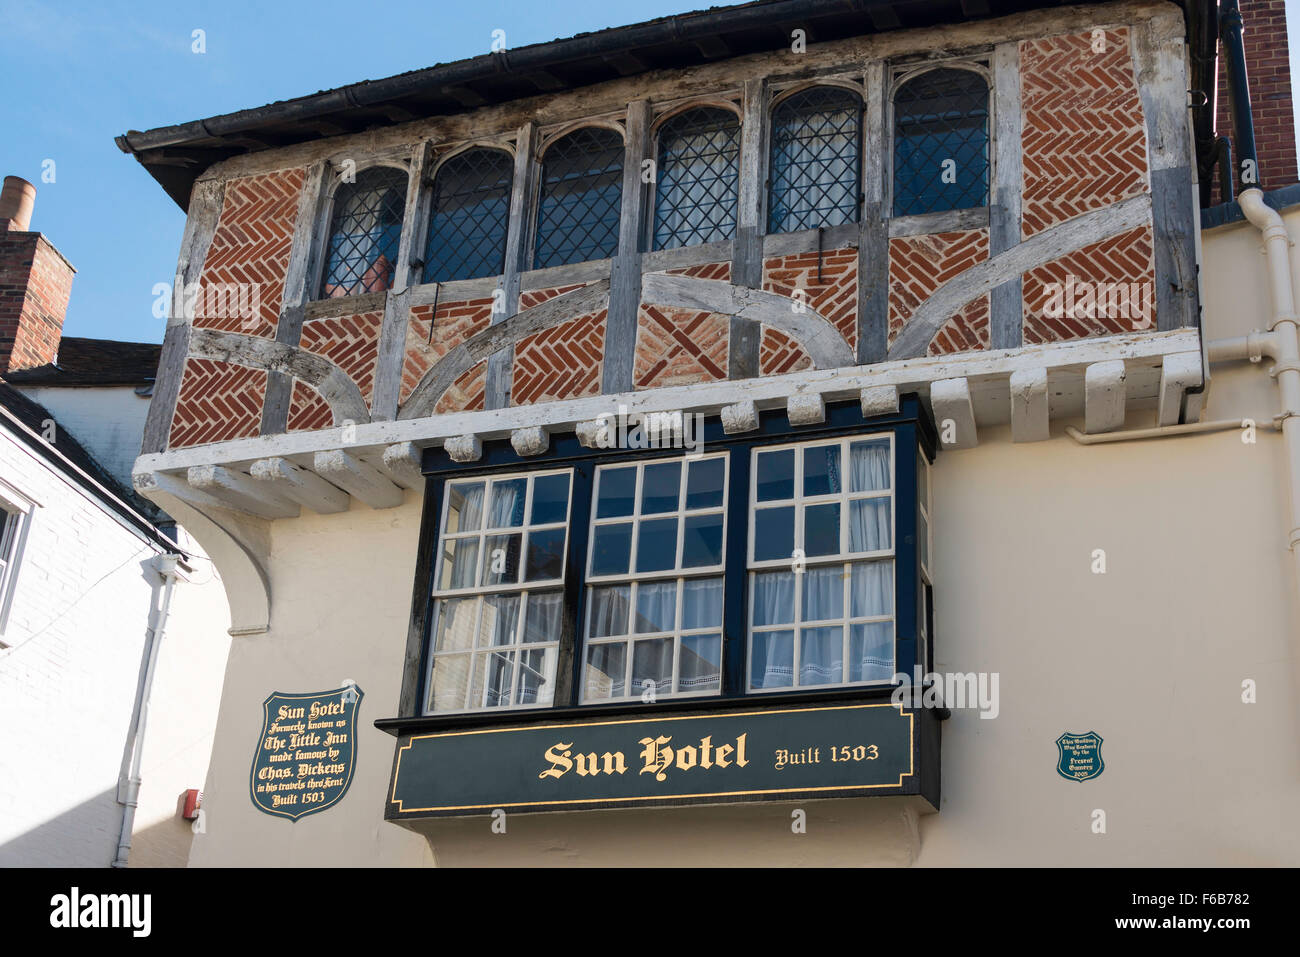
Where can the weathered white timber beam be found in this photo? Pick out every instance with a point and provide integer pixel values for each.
(402, 463)
(1029, 413)
(954, 414)
(464, 448)
(1178, 373)
(739, 417)
(879, 400)
(240, 492)
(358, 478)
(530, 441)
(300, 485)
(1105, 396)
(806, 409)
(766, 392)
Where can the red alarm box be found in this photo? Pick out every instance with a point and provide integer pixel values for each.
(193, 801)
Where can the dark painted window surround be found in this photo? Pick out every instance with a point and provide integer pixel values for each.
(912, 430)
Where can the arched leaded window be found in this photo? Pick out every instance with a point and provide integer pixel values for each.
(469, 213)
(365, 232)
(696, 178)
(941, 142)
(582, 191)
(816, 160)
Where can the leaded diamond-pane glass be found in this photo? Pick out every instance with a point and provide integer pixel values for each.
(941, 143)
(815, 160)
(697, 177)
(582, 191)
(469, 215)
(365, 232)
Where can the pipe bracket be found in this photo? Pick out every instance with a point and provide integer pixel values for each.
(1284, 365)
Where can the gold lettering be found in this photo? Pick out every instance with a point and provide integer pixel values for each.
(658, 756)
(740, 750)
(687, 757)
(558, 755)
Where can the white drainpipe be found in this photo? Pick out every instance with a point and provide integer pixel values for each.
(129, 790)
(1280, 344)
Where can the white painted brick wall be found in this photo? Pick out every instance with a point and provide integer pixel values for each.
(68, 682)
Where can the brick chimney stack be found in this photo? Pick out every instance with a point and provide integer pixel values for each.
(35, 283)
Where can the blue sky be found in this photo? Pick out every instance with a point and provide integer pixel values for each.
(77, 74)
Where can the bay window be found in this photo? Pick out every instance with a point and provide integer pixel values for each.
(789, 562)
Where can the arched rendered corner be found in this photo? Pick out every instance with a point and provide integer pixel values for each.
(238, 545)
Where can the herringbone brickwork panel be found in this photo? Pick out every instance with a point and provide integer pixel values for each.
(562, 362)
(778, 353)
(677, 346)
(918, 265)
(720, 271)
(536, 297)
(250, 249)
(218, 401)
(456, 321)
(308, 409)
(1084, 140)
(835, 296)
(350, 342)
(467, 394)
(1090, 271)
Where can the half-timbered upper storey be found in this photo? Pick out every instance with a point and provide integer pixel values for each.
(720, 213)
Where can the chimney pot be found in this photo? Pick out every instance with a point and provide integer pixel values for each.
(16, 202)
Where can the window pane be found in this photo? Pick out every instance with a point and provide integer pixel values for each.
(609, 609)
(821, 470)
(606, 668)
(774, 598)
(459, 562)
(507, 509)
(702, 541)
(869, 525)
(501, 559)
(550, 499)
(941, 142)
(871, 651)
(656, 607)
(470, 207)
(821, 529)
(704, 483)
(869, 466)
(702, 603)
(450, 678)
(871, 589)
(660, 487)
(697, 176)
(652, 665)
(456, 624)
(464, 507)
(656, 547)
(500, 624)
(545, 555)
(814, 162)
(365, 231)
(611, 547)
(582, 191)
(534, 684)
(823, 593)
(771, 659)
(776, 475)
(821, 654)
(700, 667)
(500, 669)
(773, 533)
(543, 622)
(617, 493)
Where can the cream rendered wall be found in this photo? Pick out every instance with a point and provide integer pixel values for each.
(1198, 596)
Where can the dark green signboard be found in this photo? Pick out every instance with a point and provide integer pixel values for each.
(814, 751)
(306, 751)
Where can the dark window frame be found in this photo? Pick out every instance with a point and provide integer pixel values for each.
(912, 429)
(329, 221)
(427, 227)
(543, 230)
(770, 191)
(666, 124)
